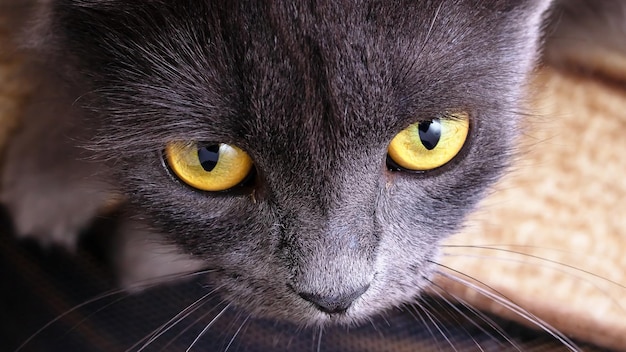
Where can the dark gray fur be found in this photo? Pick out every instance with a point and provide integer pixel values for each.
(314, 92)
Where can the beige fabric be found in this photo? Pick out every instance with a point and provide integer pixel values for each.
(564, 206)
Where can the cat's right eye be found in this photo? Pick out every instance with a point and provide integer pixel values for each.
(429, 144)
(212, 167)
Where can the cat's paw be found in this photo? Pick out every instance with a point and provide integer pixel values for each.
(50, 208)
(143, 258)
(51, 188)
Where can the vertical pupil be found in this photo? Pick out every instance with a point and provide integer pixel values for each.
(209, 156)
(430, 133)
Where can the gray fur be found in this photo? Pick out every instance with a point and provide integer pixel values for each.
(314, 93)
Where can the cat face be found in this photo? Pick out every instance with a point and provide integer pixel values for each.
(324, 227)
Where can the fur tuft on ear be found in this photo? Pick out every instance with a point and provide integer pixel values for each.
(531, 20)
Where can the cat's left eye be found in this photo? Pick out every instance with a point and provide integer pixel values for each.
(210, 167)
(429, 144)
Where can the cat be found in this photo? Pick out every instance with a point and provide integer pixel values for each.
(317, 116)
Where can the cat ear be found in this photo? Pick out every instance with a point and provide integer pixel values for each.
(531, 17)
(528, 19)
(537, 13)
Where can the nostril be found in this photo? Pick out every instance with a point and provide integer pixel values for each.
(334, 304)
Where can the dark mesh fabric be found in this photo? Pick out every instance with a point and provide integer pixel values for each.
(39, 285)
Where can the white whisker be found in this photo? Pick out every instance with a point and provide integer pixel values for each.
(436, 325)
(478, 314)
(373, 324)
(319, 339)
(207, 327)
(232, 340)
(546, 260)
(430, 29)
(451, 307)
(64, 314)
(418, 316)
(140, 285)
(554, 265)
(95, 312)
(191, 325)
(510, 305)
(158, 332)
(159, 280)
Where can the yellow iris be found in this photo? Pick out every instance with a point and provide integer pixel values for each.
(213, 168)
(430, 144)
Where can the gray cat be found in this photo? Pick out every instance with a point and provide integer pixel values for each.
(310, 155)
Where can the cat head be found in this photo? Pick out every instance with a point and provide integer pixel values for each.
(296, 104)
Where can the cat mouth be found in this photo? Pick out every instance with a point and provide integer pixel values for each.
(348, 316)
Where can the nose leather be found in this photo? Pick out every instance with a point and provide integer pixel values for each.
(334, 304)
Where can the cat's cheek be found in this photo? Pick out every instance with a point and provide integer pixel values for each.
(403, 266)
(412, 227)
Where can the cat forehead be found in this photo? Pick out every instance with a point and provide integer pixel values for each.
(293, 38)
(257, 67)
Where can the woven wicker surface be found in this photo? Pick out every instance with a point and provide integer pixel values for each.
(563, 209)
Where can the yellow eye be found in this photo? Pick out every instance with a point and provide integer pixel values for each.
(216, 167)
(430, 144)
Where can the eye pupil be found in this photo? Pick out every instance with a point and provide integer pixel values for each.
(430, 133)
(209, 156)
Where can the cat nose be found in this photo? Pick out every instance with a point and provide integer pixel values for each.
(334, 304)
